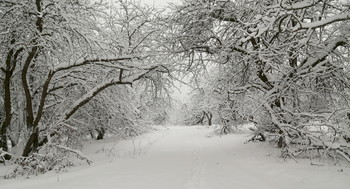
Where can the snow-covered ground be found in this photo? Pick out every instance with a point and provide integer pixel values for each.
(186, 158)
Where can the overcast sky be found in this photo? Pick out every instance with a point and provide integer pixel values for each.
(159, 3)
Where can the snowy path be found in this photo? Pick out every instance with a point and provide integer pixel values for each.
(185, 158)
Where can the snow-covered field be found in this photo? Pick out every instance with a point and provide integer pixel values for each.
(186, 158)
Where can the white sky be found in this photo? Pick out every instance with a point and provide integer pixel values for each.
(159, 3)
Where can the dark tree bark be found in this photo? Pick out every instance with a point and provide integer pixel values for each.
(100, 133)
(209, 116)
(32, 123)
(7, 102)
(10, 62)
(32, 143)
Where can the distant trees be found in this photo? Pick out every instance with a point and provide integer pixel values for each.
(155, 97)
(289, 58)
(202, 107)
(213, 103)
(60, 61)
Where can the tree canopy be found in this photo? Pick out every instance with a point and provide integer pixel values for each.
(287, 59)
(74, 69)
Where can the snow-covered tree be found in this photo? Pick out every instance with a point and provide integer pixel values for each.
(291, 55)
(58, 56)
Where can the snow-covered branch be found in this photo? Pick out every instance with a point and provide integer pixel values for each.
(312, 61)
(114, 81)
(324, 22)
(86, 61)
(286, 58)
(7, 2)
(299, 5)
(77, 152)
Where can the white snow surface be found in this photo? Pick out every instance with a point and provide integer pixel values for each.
(188, 158)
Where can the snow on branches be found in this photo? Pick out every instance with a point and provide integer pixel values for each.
(59, 56)
(288, 58)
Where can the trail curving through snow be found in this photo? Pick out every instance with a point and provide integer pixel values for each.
(186, 158)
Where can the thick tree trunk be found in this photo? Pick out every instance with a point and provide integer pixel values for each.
(8, 115)
(32, 121)
(29, 104)
(32, 143)
(7, 96)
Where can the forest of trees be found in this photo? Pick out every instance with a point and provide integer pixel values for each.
(283, 65)
(77, 69)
